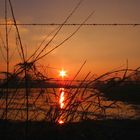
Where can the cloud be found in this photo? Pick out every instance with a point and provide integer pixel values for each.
(22, 29)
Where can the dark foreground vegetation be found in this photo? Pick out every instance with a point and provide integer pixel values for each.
(125, 87)
(99, 129)
(128, 93)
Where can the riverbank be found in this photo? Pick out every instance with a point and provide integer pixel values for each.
(99, 129)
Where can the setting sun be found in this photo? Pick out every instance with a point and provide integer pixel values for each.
(62, 73)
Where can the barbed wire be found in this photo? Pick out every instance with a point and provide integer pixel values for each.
(72, 24)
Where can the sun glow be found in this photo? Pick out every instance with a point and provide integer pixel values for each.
(61, 101)
(60, 122)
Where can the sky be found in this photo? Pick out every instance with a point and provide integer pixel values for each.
(103, 47)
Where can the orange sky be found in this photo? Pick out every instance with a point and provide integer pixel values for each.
(104, 47)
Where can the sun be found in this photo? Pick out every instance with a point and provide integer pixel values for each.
(62, 73)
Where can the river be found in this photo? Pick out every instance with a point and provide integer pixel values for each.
(63, 105)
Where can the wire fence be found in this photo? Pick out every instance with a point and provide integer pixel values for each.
(71, 24)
